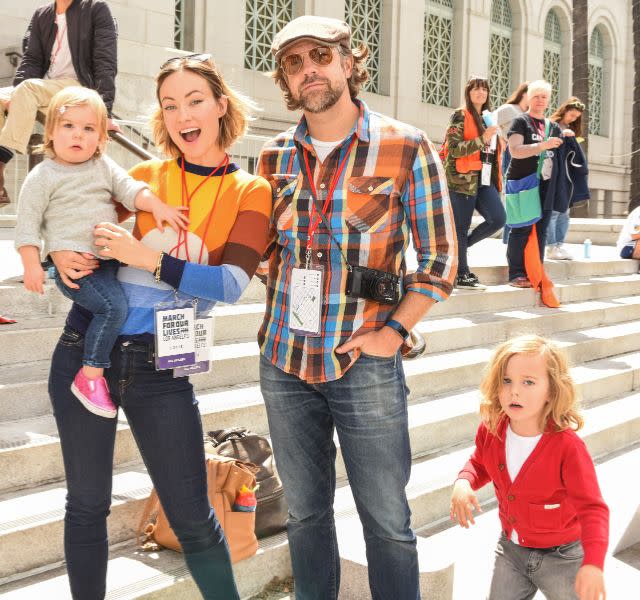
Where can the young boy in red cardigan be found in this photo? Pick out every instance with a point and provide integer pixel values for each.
(555, 524)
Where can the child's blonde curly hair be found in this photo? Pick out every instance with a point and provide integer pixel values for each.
(66, 98)
(561, 408)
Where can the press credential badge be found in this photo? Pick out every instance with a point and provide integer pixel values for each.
(306, 301)
(204, 340)
(175, 337)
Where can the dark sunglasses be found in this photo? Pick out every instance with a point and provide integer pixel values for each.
(320, 55)
(577, 105)
(196, 57)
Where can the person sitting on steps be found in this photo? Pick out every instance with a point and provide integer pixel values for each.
(57, 53)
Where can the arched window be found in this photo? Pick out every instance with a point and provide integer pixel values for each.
(500, 51)
(552, 52)
(438, 52)
(365, 19)
(596, 81)
(264, 18)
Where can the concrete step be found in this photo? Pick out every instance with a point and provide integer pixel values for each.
(34, 337)
(30, 454)
(15, 300)
(18, 302)
(28, 534)
(600, 231)
(157, 575)
(507, 313)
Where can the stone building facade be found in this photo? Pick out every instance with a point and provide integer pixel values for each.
(423, 51)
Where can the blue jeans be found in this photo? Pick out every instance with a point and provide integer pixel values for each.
(101, 294)
(165, 422)
(487, 202)
(368, 408)
(518, 238)
(519, 572)
(557, 228)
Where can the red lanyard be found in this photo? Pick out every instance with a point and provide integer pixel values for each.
(182, 234)
(59, 38)
(541, 127)
(332, 186)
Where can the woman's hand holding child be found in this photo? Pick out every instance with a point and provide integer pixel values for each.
(463, 501)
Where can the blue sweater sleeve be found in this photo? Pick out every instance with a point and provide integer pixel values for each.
(224, 283)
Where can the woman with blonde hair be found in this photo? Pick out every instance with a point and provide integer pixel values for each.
(551, 509)
(198, 117)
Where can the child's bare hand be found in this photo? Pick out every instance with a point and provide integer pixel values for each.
(590, 583)
(173, 215)
(34, 279)
(463, 501)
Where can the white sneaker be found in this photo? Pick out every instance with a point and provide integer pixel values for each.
(553, 252)
(562, 253)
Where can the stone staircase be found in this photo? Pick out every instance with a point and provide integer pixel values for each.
(598, 325)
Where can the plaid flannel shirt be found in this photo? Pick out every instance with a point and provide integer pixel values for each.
(392, 189)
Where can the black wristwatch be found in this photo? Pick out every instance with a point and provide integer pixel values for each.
(398, 327)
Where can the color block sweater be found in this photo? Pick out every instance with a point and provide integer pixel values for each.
(225, 241)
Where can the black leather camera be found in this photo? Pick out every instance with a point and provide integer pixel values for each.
(373, 285)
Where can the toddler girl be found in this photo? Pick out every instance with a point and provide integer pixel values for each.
(61, 201)
(555, 524)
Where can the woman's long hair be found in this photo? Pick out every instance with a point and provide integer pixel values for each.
(477, 82)
(516, 96)
(562, 110)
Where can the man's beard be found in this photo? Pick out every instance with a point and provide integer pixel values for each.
(318, 101)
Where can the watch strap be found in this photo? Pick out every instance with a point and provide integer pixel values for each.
(398, 327)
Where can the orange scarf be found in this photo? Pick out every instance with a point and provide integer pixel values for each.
(472, 162)
(535, 271)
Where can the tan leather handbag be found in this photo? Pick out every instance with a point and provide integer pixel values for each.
(246, 446)
(225, 477)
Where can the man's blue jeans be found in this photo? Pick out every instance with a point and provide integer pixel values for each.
(368, 409)
(557, 228)
(101, 294)
(165, 422)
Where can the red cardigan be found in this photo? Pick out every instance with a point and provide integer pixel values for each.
(560, 472)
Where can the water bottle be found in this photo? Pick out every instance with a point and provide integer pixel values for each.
(51, 273)
(586, 247)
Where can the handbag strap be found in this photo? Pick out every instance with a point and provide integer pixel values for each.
(146, 524)
(222, 435)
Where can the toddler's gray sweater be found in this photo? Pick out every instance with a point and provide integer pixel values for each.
(61, 204)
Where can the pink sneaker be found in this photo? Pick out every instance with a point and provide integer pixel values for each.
(94, 395)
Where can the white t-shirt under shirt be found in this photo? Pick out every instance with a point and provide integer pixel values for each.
(517, 449)
(323, 149)
(61, 66)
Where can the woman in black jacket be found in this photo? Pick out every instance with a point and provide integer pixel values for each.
(81, 35)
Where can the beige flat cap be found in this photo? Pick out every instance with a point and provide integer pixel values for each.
(322, 29)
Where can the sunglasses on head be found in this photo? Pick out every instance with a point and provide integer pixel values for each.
(320, 55)
(196, 57)
(578, 105)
